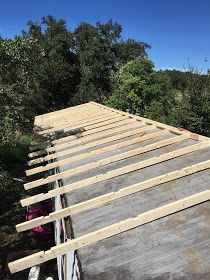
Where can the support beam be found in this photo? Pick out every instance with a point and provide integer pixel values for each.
(109, 231)
(87, 122)
(119, 171)
(172, 129)
(83, 141)
(157, 180)
(119, 121)
(100, 132)
(96, 152)
(103, 199)
(92, 144)
(91, 117)
(93, 123)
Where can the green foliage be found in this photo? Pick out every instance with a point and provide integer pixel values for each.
(192, 111)
(138, 87)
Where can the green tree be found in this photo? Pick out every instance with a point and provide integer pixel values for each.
(138, 87)
(193, 108)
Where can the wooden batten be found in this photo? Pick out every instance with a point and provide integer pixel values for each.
(123, 170)
(109, 231)
(94, 125)
(75, 186)
(58, 163)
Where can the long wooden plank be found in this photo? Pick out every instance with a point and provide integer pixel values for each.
(74, 121)
(172, 129)
(118, 157)
(68, 117)
(88, 121)
(109, 231)
(97, 134)
(157, 180)
(101, 130)
(57, 114)
(88, 125)
(100, 127)
(96, 152)
(95, 137)
(103, 199)
(128, 168)
(92, 144)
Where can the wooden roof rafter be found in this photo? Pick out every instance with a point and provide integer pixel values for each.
(114, 126)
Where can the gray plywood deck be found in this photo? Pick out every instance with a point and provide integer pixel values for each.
(174, 247)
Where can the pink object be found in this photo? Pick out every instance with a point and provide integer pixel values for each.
(44, 230)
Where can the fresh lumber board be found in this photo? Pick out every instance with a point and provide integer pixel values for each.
(116, 127)
(49, 117)
(99, 124)
(65, 118)
(103, 199)
(157, 180)
(76, 120)
(109, 231)
(103, 127)
(89, 121)
(96, 152)
(172, 129)
(81, 141)
(126, 169)
(92, 144)
(119, 171)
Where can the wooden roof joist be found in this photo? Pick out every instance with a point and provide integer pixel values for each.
(157, 124)
(97, 136)
(92, 144)
(109, 231)
(96, 152)
(76, 132)
(157, 180)
(93, 123)
(88, 121)
(57, 114)
(100, 200)
(128, 168)
(65, 118)
(101, 131)
(77, 121)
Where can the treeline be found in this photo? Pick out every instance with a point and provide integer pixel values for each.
(49, 67)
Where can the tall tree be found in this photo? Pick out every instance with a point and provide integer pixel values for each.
(138, 87)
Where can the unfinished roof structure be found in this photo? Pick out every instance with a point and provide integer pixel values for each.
(133, 196)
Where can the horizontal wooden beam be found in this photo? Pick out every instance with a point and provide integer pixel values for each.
(87, 122)
(172, 129)
(92, 144)
(157, 180)
(76, 120)
(103, 199)
(128, 168)
(102, 127)
(101, 132)
(109, 231)
(93, 123)
(82, 140)
(96, 152)
(120, 171)
(57, 114)
(68, 117)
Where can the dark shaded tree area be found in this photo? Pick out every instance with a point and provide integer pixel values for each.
(49, 67)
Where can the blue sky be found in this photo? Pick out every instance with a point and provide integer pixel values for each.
(177, 30)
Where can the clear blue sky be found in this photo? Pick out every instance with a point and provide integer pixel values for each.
(176, 29)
